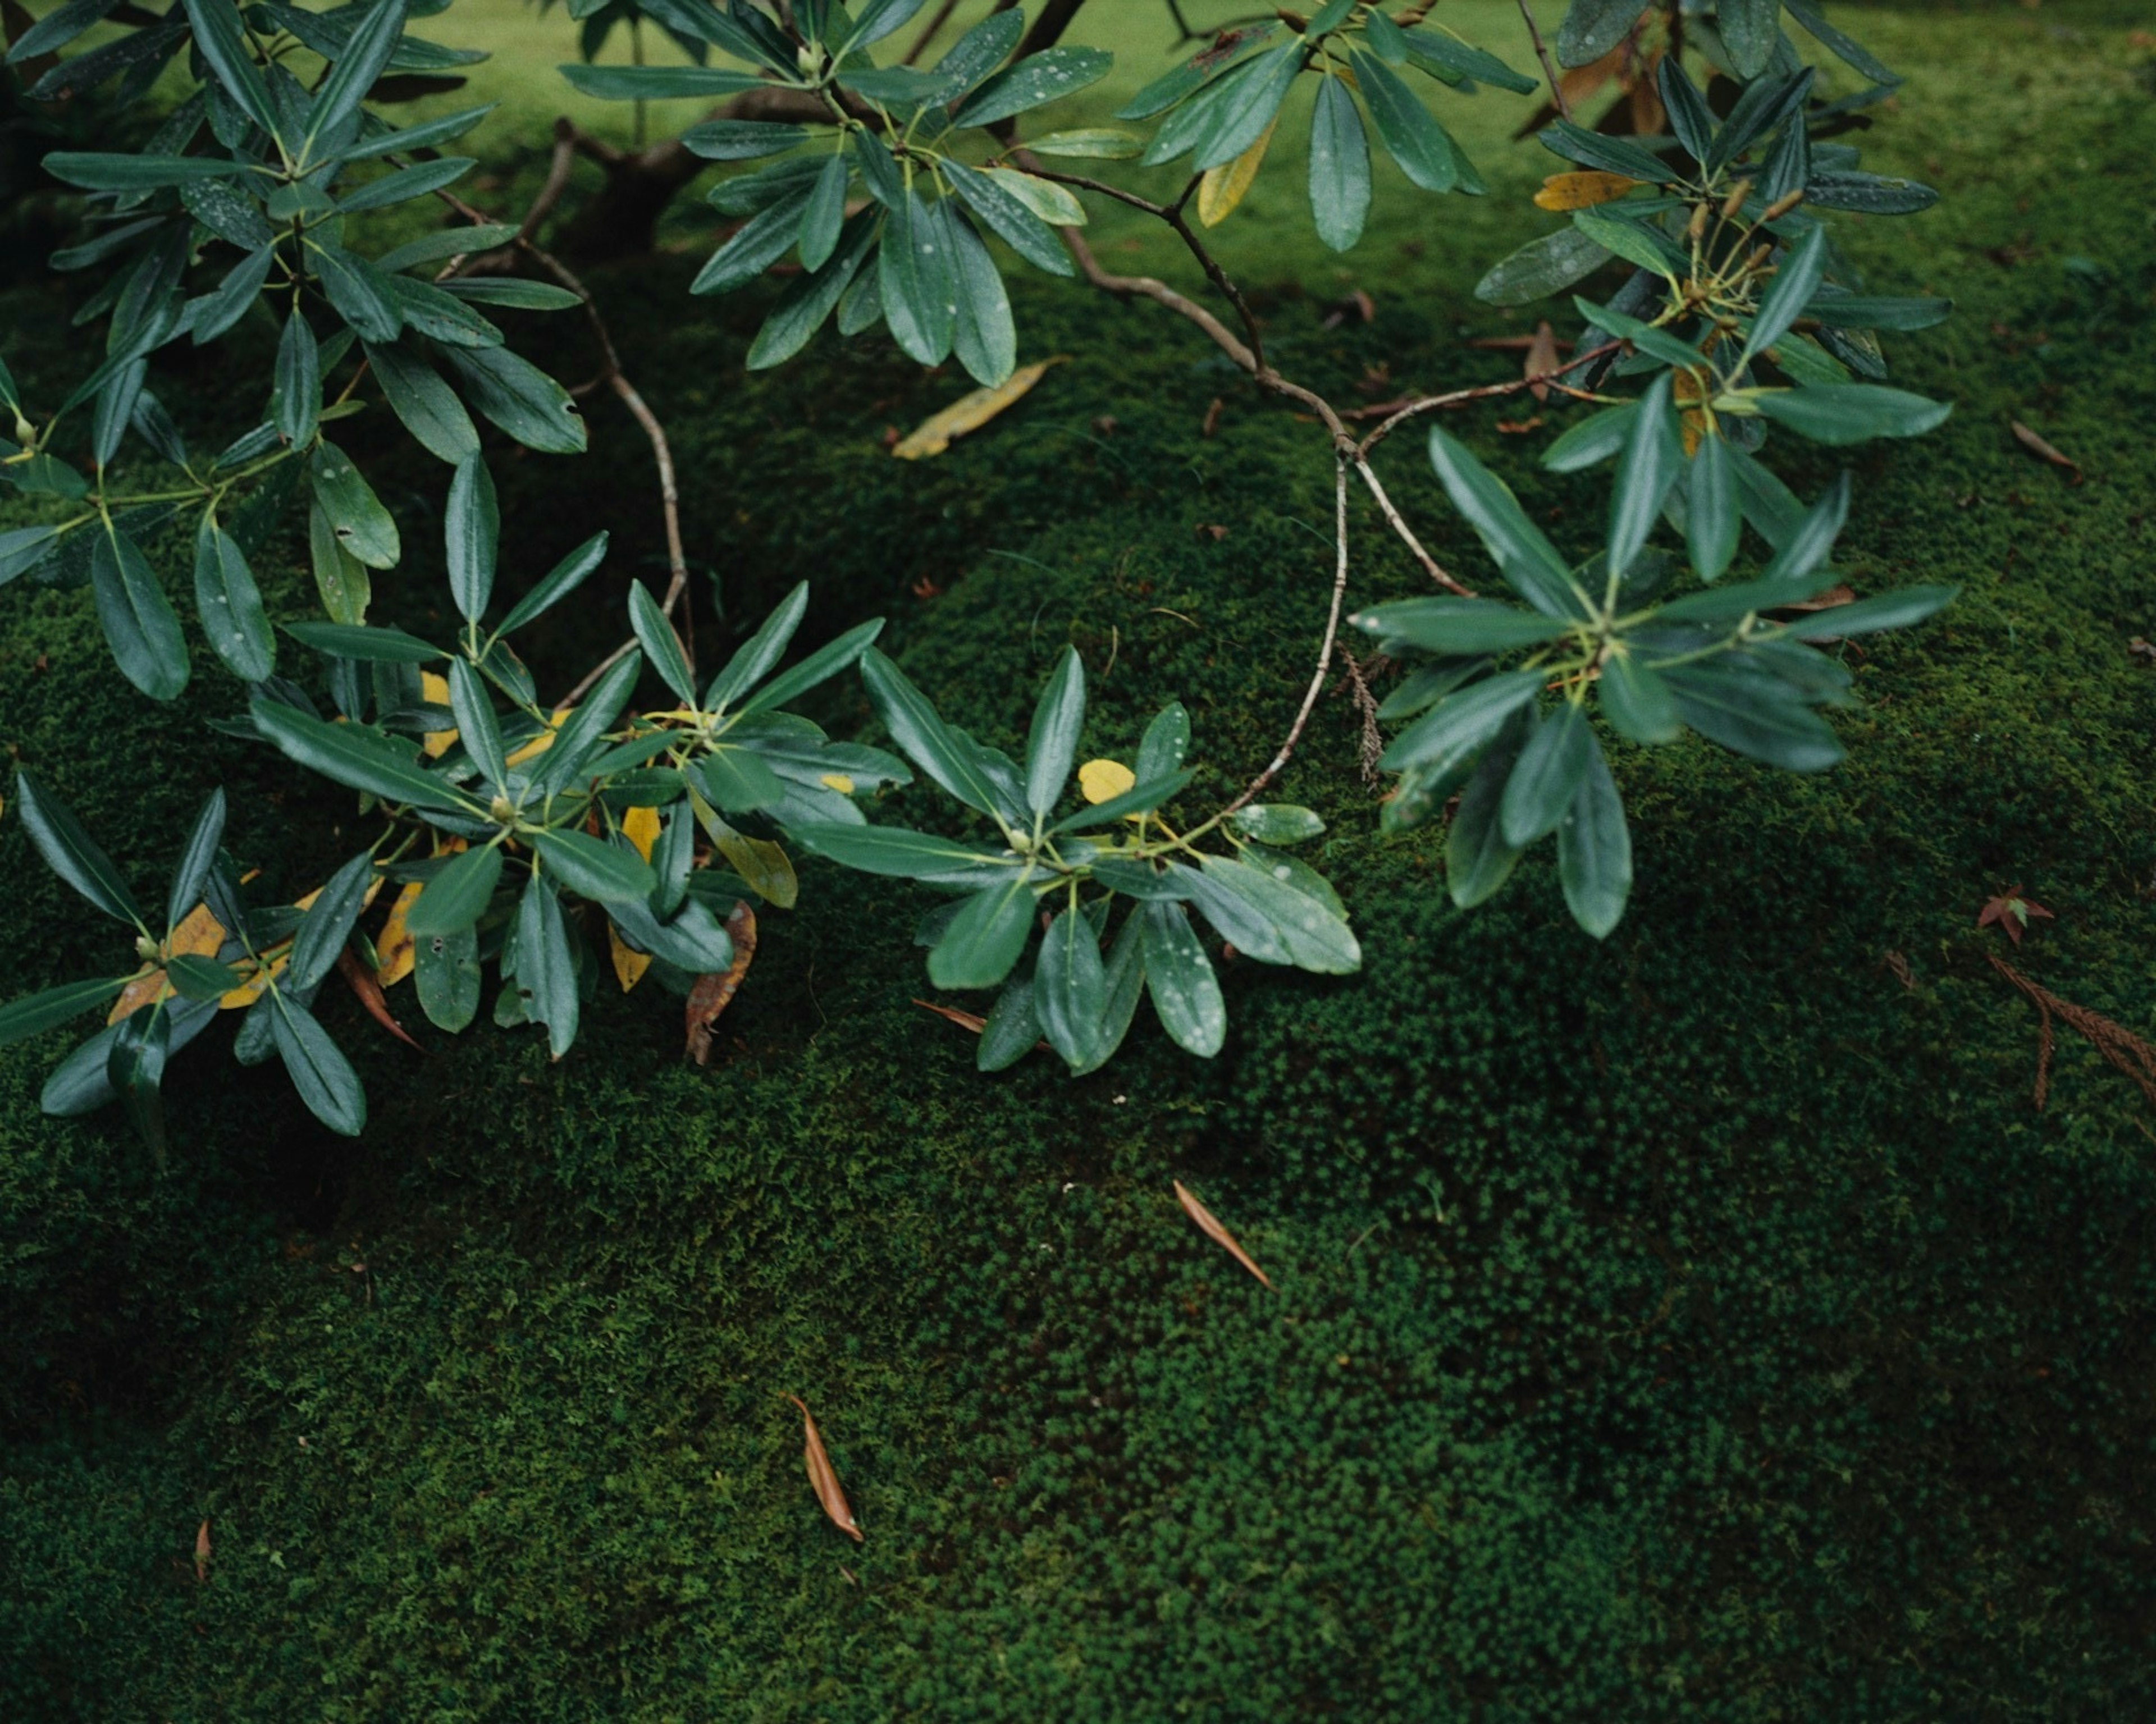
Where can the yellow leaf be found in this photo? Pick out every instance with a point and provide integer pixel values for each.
(933, 434)
(255, 986)
(544, 741)
(766, 868)
(1222, 187)
(1105, 780)
(1581, 191)
(641, 827)
(145, 989)
(434, 691)
(628, 966)
(397, 950)
(839, 782)
(199, 935)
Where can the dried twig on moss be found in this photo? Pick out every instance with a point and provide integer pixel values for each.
(2118, 1043)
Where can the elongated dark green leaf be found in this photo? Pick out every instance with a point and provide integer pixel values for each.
(366, 645)
(71, 853)
(56, 28)
(1311, 935)
(1712, 519)
(426, 406)
(1852, 412)
(1540, 268)
(328, 923)
(982, 333)
(894, 851)
(593, 869)
(445, 972)
(362, 759)
(756, 656)
(1795, 282)
(1438, 55)
(135, 1068)
(406, 183)
(1461, 724)
(98, 173)
(1867, 616)
(1597, 150)
(1478, 859)
(913, 277)
(1592, 27)
(1052, 744)
(1594, 851)
(825, 214)
(987, 936)
(364, 529)
(217, 311)
(196, 860)
(1033, 82)
(352, 73)
(1211, 63)
(662, 646)
(459, 241)
(299, 382)
(1530, 563)
(1124, 976)
(1750, 30)
(1166, 744)
(1657, 343)
(1017, 226)
(1644, 473)
(360, 294)
(1545, 776)
(317, 1066)
(1742, 715)
(476, 727)
(923, 735)
(140, 624)
(546, 966)
(1241, 117)
(37, 1012)
(739, 781)
(1186, 992)
(1339, 167)
(1458, 625)
(557, 583)
(1636, 702)
(742, 140)
(423, 136)
(1013, 1028)
(200, 978)
(582, 732)
(472, 528)
(1804, 551)
(456, 899)
(1841, 310)
(1141, 798)
(1411, 137)
(520, 398)
(1070, 987)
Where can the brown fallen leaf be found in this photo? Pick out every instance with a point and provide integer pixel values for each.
(202, 1552)
(396, 951)
(369, 989)
(1214, 1231)
(1542, 361)
(1213, 409)
(2140, 647)
(2038, 447)
(713, 993)
(965, 1020)
(1826, 601)
(969, 412)
(1214, 527)
(1520, 427)
(822, 1477)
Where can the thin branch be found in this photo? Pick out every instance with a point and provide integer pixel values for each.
(557, 180)
(1549, 66)
(941, 16)
(1324, 652)
(1486, 392)
(1393, 519)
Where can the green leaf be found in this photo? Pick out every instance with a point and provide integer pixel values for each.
(476, 728)
(557, 584)
(923, 737)
(826, 661)
(328, 923)
(662, 646)
(742, 140)
(200, 978)
(459, 241)
(1841, 310)
(1545, 776)
(221, 39)
(358, 291)
(1052, 744)
(1241, 117)
(369, 646)
(1458, 625)
(825, 214)
(230, 604)
(1124, 976)
(1852, 412)
(914, 276)
(71, 853)
(545, 966)
(1691, 119)
(362, 759)
(453, 901)
(1276, 823)
(426, 405)
(1611, 155)
(299, 382)
(1750, 29)
(1712, 519)
(472, 527)
(445, 972)
(1166, 744)
(1637, 702)
(140, 624)
(1868, 616)
(1070, 987)
(1656, 343)
(1092, 143)
(1186, 992)
(22, 1019)
(753, 660)
(195, 861)
(1593, 440)
(895, 852)
(102, 172)
(1432, 52)
(1478, 859)
(406, 183)
(657, 84)
(1033, 82)
(1306, 932)
(352, 73)
(1461, 724)
(1411, 137)
(982, 335)
(1811, 542)
(987, 936)
(581, 732)
(1540, 268)
(520, 398)
(1010, 218)
(1741, 715)
(738, 780)
(363, 527)
(1591, 29)
(1141, 798)
(1013, 1027)
(319, 1070)
(1523, 554)
(1594, 851)
(1796, 281)
(1339, 167)
(1845, 49)
(133, 1068)
(413, 138)
(340, 577)
(1644, 473)
(591, 870)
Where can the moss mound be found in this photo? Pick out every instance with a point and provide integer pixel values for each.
(1704, 1324)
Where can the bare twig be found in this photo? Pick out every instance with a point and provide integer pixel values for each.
(1486, 391)
(1431, 565)
(1325, 650)
(1549, 66)
(937, 19)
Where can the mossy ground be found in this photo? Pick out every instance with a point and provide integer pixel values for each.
(1701, 1324)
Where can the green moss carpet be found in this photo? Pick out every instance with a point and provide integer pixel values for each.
(1704, 1324)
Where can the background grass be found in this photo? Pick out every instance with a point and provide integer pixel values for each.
(1701, 1324)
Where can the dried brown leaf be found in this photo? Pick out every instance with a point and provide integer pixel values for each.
(202, 1552)
(369, 990)
(1214, 1231)
(2038, 447)
(823, 1478)
(965, 1020)
(713, 993)
(1542, 361)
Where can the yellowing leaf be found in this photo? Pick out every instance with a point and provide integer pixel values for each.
(544, 741)
(1582, 191)
(255, 986)
(434, 691)
(839, 782)
(199, 935)
(969, 412)
(641, 827)
(1221, 188)
(1100, 781)
(397, 950)
(1056, 205)
(629, 964)
(145, 990)
(766, 868)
